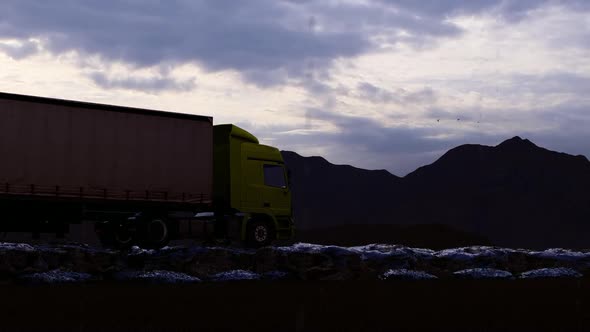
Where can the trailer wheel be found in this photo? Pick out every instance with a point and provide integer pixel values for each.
(259, 234)
(123, 237)
(157, 235)
(114, 235)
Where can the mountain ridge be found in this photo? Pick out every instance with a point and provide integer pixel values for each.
(515, 193)
(516, 140)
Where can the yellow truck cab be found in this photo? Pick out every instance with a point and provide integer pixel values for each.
(250, 180)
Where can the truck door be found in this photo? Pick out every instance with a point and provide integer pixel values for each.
(253, 184)
(276, 195)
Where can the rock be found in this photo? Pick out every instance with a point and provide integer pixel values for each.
(56, 277)
(378, 259)
(301, 261)
(156, 277)
(551, 273)
(483, 273)
(216, 260)
(403, 274)
(235, 275)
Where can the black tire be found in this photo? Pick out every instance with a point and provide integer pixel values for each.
(157, 234)
(117, 236)
(259, 234)
(124, 238)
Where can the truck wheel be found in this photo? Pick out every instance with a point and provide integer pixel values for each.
(156, 235)
(116, 236)
(123, 238)
(259, 234)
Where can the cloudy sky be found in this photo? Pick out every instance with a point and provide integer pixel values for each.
(378, 84)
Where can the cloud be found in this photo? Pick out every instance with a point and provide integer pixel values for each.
(511, 10)
(372, 135)
(20, 50)
(270, 42)
(402, 146)
(401, 149)
(151, 84)
(439, 114)
(369, 92)
(369, 143)
(441, 8)
(552, 83)
(248, 37)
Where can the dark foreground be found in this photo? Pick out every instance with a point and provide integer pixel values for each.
(437, 305)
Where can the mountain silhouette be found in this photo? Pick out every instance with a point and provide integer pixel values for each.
(326, 194)
(514, 194)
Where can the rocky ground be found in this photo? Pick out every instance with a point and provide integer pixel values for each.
(75, 287)
(26, 263)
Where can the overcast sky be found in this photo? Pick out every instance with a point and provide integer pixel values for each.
(378, 84)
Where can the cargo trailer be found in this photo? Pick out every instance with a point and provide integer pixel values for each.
(144, 177)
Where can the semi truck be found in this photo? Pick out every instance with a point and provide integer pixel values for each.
(143, 177)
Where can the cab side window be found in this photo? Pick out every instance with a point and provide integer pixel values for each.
(274, 176)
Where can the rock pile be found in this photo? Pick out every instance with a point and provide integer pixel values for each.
(181, 264)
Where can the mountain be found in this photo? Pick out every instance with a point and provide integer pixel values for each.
(325, 194)
(514, 194)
